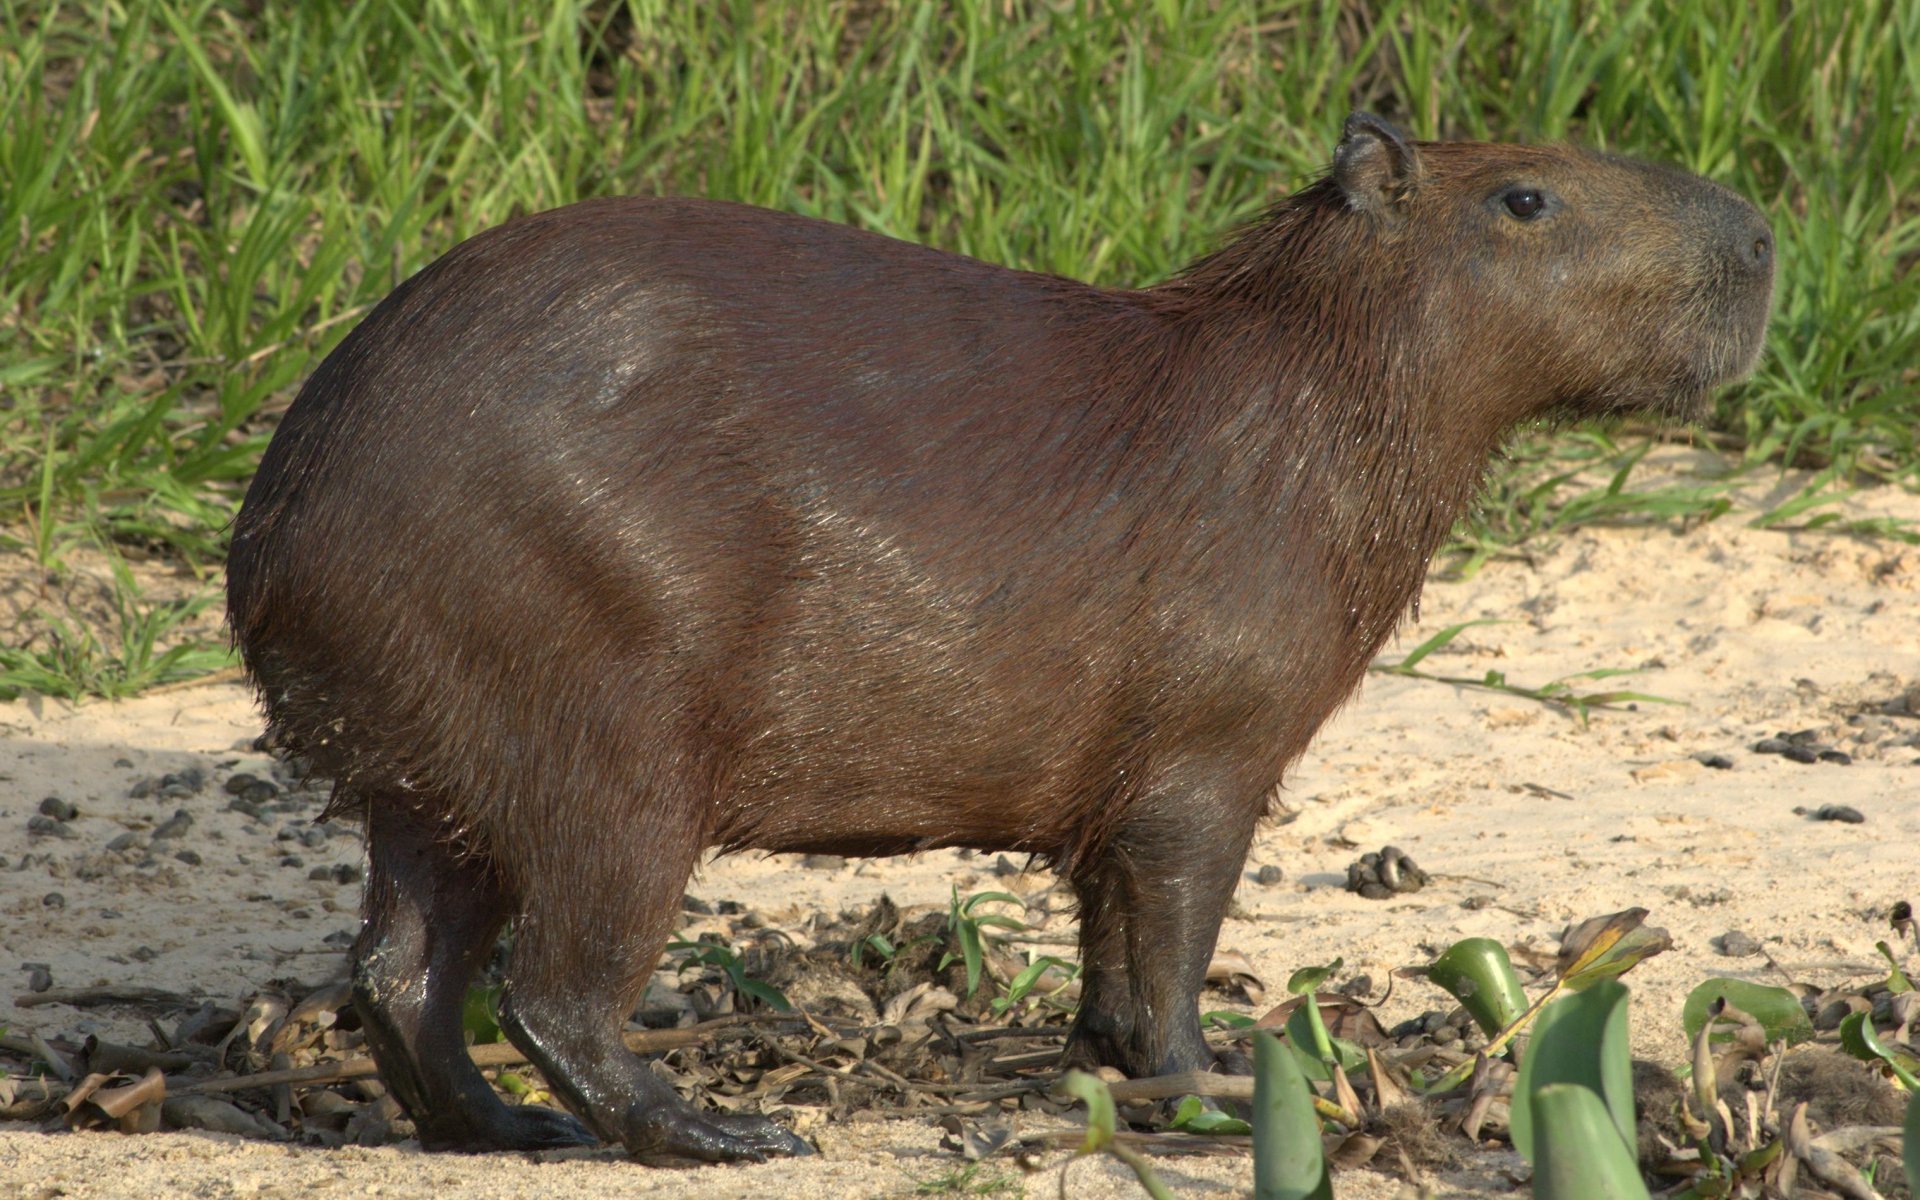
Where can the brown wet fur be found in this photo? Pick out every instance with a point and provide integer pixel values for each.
(642, 527)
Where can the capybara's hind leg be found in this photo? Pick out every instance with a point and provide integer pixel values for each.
(431, 916)
(592, 923)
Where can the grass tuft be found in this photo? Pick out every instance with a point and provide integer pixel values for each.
(203, 195)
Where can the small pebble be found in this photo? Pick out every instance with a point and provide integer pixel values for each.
(53, 900)
(123, 841)
(1267, 876)
(320, 873)
(1800, 754)
(58, 809)
(239, 783)
(48, 827)
(1837, 756)
(188, 857)
(695, 905)
(174, 826)
(293, 860)
(39, 977)
(1771, 746)
(124, 764)
(240, 804)
(1839, 812)
(339, 937)
(193, 779)
(141, 790)
(145, 954)
(1735, 944)
(344, 873)
(259, 791)
(313, 838)
(1718, 762)
(1804, 737)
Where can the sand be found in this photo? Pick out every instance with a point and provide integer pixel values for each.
(1528, 818)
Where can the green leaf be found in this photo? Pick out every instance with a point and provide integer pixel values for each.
(1609, 946)
(1478, 973)
(1580, 1038)
(965, 925)
(765, 993)
(1091, 1090)
(1858, 1038)
(1193, 1116)
(1433, 643)
(978, 898)
(1778, 1010)
(1577, 1155)
(1318, 1049)
(1897, 980)
(513, 1084)
(480, 1016)
(968, 936)
(241, 118)
(1028, 978)
(1100, 1133)
(1287, 1160)
(1307, 979)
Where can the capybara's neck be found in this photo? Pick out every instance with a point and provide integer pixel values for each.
(1316, 402)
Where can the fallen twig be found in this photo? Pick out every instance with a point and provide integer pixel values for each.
(113, 993)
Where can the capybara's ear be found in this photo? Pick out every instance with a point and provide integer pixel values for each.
(1375, 166)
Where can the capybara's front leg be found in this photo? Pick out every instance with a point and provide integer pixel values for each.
(1151, 903)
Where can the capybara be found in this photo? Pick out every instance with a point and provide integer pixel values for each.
(643, 527)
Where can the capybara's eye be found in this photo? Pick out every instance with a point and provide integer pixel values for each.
(1524, 202)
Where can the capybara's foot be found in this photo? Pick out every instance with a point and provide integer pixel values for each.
(767, 1136)
(678, 1136)
(527, 1127)
(535, 1127)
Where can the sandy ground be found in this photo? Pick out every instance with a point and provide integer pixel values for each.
(1504, 800)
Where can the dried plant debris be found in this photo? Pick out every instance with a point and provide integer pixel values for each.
(885, 1014)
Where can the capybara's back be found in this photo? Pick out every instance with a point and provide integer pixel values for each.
(642, 527)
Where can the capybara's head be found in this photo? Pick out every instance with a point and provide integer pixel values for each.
(1588, 282)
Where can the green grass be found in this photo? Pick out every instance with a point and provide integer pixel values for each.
(201, 197)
